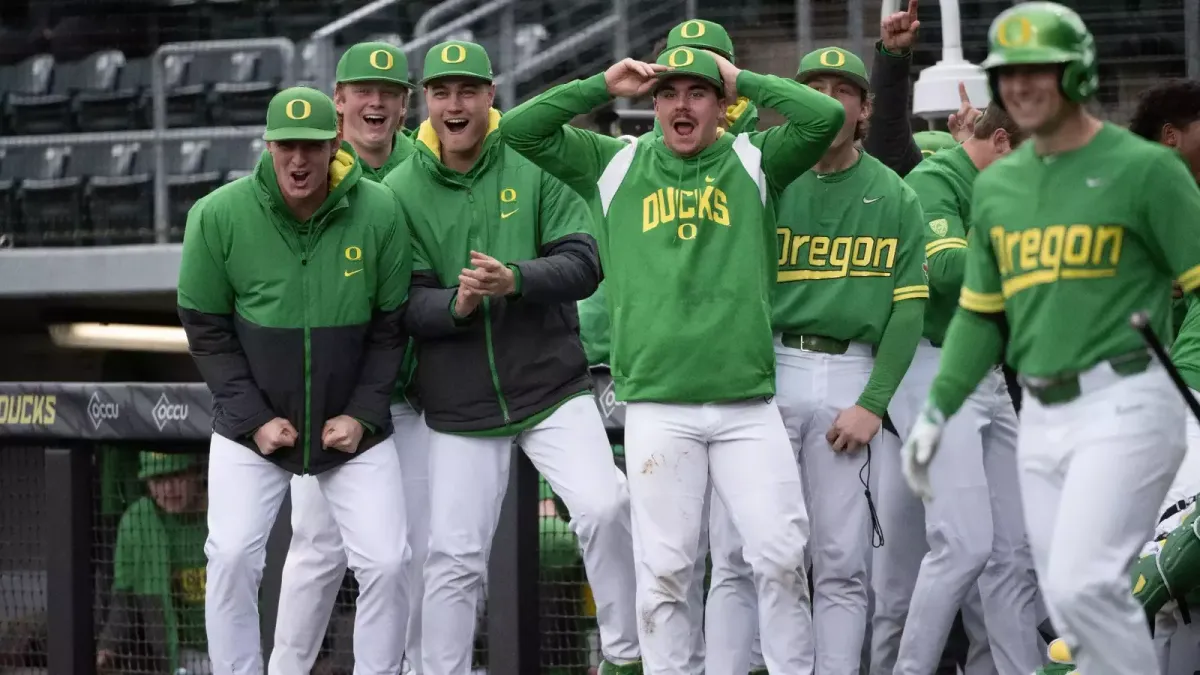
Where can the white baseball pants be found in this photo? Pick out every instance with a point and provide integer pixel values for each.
(468, 478)
(1187, 481)
(672, 452)
(974, 528)
(812, 389)
(316, 559)
(895, 566)
(1094, 472)
(369, 511)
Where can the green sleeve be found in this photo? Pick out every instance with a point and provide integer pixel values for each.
(540, 130)
(395, 262)
(1173, 218)
(982, 290)
(813, 121)
(903, 331)
(594, 326)
(203, 284)
(895, 354)
(563, 212)
(945, 233)
(973, 345)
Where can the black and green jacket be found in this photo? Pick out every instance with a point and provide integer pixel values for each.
(515, 359)
(301, 320)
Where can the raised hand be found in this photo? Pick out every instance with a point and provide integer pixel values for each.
(899, 30)
(961, 124)
(630, 78)
(729, 75)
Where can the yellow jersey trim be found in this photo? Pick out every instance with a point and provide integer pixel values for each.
(985, 303)
(1190, 280)
(944, 244)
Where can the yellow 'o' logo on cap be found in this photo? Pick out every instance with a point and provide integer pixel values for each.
(382, 59)
(1023, 34)
(681, 58)
(305, 109)
(691, 30)
(832, 58)
(454, 54)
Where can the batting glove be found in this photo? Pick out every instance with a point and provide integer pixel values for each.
(919, 449)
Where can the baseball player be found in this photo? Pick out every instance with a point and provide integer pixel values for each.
(1063, 254)
(691, 350)
(849, 227)
(292, 290)
(974, 529)
(502, 252)
(371, 96)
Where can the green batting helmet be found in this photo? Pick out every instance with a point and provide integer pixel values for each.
(1035, 33)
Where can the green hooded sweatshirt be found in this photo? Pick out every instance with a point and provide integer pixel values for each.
(515, 359)
(689, 244)
(301, 320)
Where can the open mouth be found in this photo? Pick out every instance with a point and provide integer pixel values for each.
(456, 124)
(375, 121)
(300, 178)
(684, 127)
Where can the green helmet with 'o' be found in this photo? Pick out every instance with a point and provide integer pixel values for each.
(1036, 33)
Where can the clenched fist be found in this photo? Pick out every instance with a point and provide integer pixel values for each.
(278, 433)
(342, 433)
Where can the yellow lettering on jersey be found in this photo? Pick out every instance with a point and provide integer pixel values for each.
(834, 257)
(692, 208)
(1043, 255)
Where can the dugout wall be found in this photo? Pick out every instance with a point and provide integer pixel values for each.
(69, 475)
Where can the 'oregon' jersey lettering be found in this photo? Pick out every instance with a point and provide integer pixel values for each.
(850, 244)
(1070, 246)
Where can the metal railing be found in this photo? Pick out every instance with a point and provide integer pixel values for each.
(158, 87)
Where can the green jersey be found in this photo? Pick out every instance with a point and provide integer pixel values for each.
(687, 243)
(1070, 245)
(852, 234)
(943, 183)
(1185, 353)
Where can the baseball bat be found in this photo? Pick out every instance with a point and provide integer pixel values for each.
(1141, 323)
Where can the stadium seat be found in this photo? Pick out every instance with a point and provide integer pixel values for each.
(187, 93)
(27, 80)
(237, 156)
(54, 112)
(12, 167)
(192, 174)
(120, 195)
(120, 103)
(51, 201)
(244, 84)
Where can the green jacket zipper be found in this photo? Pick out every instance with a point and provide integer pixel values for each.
(491, 354)
(307, 355)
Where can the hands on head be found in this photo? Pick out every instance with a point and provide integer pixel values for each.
(630, 78)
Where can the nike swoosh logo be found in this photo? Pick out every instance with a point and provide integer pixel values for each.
(350, 274)
(505, 215)
(871, 201)
(708, 179)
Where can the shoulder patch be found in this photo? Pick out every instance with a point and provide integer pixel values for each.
(939, 226)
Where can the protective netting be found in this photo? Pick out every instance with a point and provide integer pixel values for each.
(23, 629)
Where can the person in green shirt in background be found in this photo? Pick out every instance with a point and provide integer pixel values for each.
(933, 142)
(159, 573)
(1072, 233)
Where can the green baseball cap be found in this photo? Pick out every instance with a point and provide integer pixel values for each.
(457, 58)
(833, 61)
(931, 142)
(154, 464)
(703, 34)
(374, 62)
(301, 114)
(691, 62)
